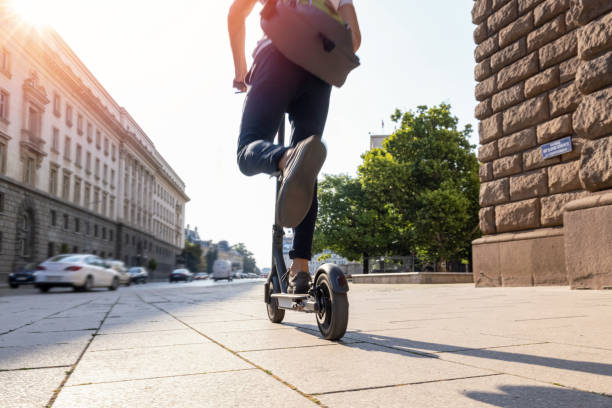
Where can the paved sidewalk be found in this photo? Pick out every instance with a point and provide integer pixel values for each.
(407, 346)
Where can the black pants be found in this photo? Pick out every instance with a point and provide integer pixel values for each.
(278, 86)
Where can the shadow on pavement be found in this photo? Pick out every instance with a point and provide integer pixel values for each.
(511, 396)
(405, 347)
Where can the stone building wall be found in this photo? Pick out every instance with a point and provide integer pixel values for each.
(544, 72)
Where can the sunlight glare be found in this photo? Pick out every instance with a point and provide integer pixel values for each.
(37, 12)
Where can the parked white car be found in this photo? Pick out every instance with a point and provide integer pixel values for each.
(222, 269)
(81, 272)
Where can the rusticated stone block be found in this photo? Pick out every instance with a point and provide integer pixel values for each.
(517, 142)
(564, 177)
(503, 16)
(509, 97)
(595, 37)
(545, 34)
(487, 220)
(480, 11)
(528, 185)
(481, 32)
(496, 4)
(559, 50)
(596, 164)
(494, 192)
(564, 100)
(574, 155)
(584, 11)
(490, 129)
(568, 69)
(486, 172)
(486, 88)
(555, 129)
(552, 207)
(516, 30)
(482, 70)
(483, 110)
(520, 70)
(518, 216)
(526, 5)
(508, 55)
(488, 152)
(542, 82)
(595, 74)
(507, 166)
(486, 48)
(592, 119)
(525, 115)
(570, 19)
(532, 159)
(549, 9)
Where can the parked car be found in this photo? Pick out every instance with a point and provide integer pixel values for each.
(119, 266)
(23, 276)
(252, 275)
(81, 272)
(200, 276)
(138, 274)
(178, 275)
(222, 269)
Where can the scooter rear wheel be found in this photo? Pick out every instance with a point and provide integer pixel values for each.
(275, 314)
(332, 317)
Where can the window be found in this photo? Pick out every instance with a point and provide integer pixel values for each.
(80, 124)
(111, 236)
(112, 179)
(103, 232)
(96, 198)
(53, 180)
(113, 151)
(4, 105)
(5, 62)
(69, 115)
(66, 221)
(1, 202)
(50, 250)
(67, 148)
(106, 146)
(55, 140)
(104, 200)
(86, 227)
(29, 172)
(97, 169)
(77, 226)
(98, 139)
(88, 163)
(87, 198)
(89, 132)
(77, 191)
(34, 121)
(96, 230)
(105, 174)
(66, 186)
(79, 155)
(57, 105)
(53, 218)
(2, 158)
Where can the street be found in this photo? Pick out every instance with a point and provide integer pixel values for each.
(211, 344)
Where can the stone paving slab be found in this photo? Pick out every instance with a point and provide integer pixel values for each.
(342, 367)
(138, 326)
(29, 388)
(121, 365)
(21, 338)
(50, 355)
(491, 391)
(250, 388)
(127, 341)
(581, 368)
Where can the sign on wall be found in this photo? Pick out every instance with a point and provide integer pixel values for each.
(556, 148)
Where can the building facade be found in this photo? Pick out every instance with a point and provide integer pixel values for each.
(544, 69)
(77, 173)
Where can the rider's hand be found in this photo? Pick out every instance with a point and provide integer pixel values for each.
(240, 85)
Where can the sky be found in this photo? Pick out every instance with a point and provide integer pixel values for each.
(169, 64)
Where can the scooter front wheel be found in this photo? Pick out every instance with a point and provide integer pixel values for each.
(275, 314)
(333, 309)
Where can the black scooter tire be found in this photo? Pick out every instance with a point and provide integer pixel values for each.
(333, 314)
(275, 314)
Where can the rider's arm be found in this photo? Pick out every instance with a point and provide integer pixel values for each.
(238, 13)
(348, 14)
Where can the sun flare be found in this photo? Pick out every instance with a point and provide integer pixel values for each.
(36, 12)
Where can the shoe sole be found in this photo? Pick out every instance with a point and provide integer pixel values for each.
(295, 196)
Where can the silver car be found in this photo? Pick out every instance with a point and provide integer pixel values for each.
(81, 272)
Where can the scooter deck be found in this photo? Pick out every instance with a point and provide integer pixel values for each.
(289, 296)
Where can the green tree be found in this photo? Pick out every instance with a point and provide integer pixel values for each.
(248, 260)
(152, 265)
(211, 257)
(192, 254)
(427, 174)
(353, 225)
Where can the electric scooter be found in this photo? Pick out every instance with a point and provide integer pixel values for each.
(326, 297)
